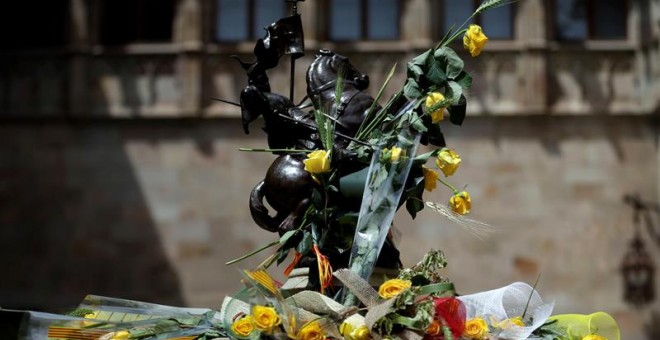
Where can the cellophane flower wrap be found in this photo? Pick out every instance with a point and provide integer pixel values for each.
(386, 181)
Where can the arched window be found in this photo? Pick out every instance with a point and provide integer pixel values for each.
(26, 25)
(242, 20)
(577, 20)
(497, 22)
(353, 20)
(136, 21)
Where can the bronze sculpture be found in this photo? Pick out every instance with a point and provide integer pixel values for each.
(287, 187)
(292, 133)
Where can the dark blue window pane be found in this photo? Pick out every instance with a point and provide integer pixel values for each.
(345, 21)
(456, 11)
(232, 19)
(571, 20)
(497, 23)
(383, 19)
(266, 12)
(610, 19)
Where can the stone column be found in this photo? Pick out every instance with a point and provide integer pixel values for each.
(311, 11)
(415, 25)
(188, 35)
(79, 45)
(530, 26)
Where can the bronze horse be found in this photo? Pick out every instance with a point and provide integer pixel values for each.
(287, 187)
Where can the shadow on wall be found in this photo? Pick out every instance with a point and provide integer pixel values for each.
(653, 326)
(73, 220)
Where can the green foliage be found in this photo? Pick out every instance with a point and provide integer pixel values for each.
(549, 331)
(428, 268)
(80, 312)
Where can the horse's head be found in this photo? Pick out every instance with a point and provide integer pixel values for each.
(322, 74)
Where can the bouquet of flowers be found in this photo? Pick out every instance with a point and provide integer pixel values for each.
(418, 304)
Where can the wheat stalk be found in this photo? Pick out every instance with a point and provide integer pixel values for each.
(490, 4)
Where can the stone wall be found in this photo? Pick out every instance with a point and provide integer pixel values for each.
(120, 176)
(152, 210)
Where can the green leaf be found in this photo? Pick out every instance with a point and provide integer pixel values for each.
(415, 71)
(454, 63)
(414, 206)
(141, 333)
(164, 326)
(188, 322)
(419, 280)
(317, 199)
(423, 158)
(457, 112)
(374, 104)
(80, 312)
(411, 89)
(435, 137)
(305, 245)
(284, 238)
(456, 91)
(417, 123)
(435, 74)
(384, 326)
(465, 80)
(420, 60)
(282, 254)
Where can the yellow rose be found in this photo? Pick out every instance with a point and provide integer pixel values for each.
(243, 326)
(434, 98)
(476, 329)
(393, 287)
(430, 178)
(474, 40)
(448, 161)
(392, 155)
(594, 337)
(91, 315)
(311, 331)
(460, 203)
(351, 333)
(317, 162)
(362, 333)
(434, 328)
(265, 318)
(355, 328)
(119, 335)
(508, 323)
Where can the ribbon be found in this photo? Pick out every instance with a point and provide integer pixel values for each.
(580, 325)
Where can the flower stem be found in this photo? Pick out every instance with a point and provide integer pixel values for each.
(274, 150)
(448, 185)
(267, 262)
(253, 253)
(530, 296)
(453, 37)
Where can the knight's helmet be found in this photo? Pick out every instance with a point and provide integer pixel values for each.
(283, 37)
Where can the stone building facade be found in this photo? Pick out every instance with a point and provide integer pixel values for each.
(120, 175)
